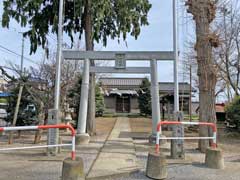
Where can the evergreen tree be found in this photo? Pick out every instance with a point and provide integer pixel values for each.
(144, 98)
(108, 18)
(99, 101)
(26, 115)
(75, 94)
(233, 112)
(98, 20)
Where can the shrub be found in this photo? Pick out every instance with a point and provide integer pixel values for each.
(3, 100)
(75, 94)
(26, 116)
(99, 101)
(233, 112)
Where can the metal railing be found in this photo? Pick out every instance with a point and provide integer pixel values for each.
(212, 125)
(60, 126)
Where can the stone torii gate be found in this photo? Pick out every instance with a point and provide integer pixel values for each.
(120, 58)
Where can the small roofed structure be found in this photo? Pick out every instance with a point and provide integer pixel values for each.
(121, 95)
(166, 90)
(121, 83)
(220, 112)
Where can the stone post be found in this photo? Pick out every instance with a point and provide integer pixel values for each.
(177, 149)
(53, 134)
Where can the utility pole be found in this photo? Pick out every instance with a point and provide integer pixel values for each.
(175, 49)
(22, 55)
(190, 94)
(178, 131)
(10, 139)
(59, 57)
(53, 134)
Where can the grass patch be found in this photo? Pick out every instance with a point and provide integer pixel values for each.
(109, 115)
(3, 100)
(194, 117)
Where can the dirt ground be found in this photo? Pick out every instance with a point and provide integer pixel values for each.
(35, 165)
(192, 166)
(229, 142)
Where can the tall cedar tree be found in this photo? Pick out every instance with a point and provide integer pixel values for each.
(204, 12)
(75, 94)
(144, 98)
(98, 20)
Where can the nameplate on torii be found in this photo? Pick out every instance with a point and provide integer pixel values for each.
(120, 61)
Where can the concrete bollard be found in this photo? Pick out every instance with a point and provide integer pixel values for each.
(82, 139)
(73, 170)
(214, 158)
(156, 166)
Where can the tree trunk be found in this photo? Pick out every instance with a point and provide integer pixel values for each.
(204, 12)
(91, 128)
(10, 138)
(41, 115)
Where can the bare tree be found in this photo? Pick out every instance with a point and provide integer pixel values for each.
(45, 72)
(204, 12)
(227, 56)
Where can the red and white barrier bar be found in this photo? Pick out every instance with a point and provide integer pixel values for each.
(212, 125)
(60, 126)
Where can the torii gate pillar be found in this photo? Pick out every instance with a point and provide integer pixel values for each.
(156, 117)
(82, 137)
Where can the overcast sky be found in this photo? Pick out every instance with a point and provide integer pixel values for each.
(155, 37)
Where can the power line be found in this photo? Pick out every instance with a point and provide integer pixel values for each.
(54, 39)
(5, 51)
(28, 59)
